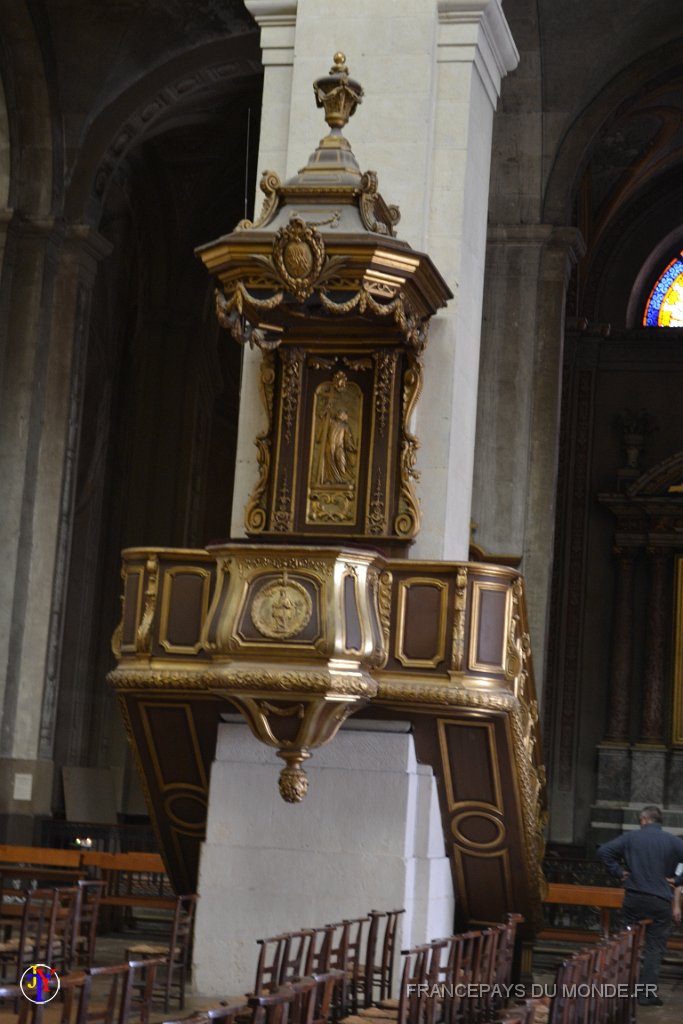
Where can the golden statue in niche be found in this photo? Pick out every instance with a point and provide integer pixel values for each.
(332, 492)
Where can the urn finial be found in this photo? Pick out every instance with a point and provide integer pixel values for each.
(337, 93)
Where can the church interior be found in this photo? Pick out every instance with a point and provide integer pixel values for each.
(340, 441)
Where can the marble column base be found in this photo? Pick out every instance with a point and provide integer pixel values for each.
(675, 779)
(614, 774)
(648, 775)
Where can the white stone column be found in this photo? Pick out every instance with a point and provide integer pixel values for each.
(475, 51)
(431, 72)
(49, 270)
(367, 836)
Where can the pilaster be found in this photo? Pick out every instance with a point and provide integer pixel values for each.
(50, 271)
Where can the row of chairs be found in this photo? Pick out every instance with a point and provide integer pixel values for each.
(57, 926)
(362, 949)
(598, 985)
(115, 994)
(462, 979)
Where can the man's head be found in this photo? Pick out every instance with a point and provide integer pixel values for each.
(650, 815)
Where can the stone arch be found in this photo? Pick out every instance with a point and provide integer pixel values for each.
(619, 164)
(179, 88)
(574, 150)
(27, 118)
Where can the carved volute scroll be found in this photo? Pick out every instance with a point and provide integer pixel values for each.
(340, 309)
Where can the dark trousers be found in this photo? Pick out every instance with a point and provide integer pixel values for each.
(637, 907)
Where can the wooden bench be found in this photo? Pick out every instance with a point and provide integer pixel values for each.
(603, 898)
(42, 865)
(132, 880)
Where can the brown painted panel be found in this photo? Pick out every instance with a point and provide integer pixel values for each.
(490, 640)
(423, 629)
(187, 595)
(174, 744)
(470, 762)
(485, 886)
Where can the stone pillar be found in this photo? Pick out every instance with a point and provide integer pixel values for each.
(614, 753)
(619, 697)
(367, 836)
(48, 274)
(657, 630)
(648, 757)
(515, 472)
(474, 51)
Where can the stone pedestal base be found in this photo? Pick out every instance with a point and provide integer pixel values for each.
(675, 780)
(614, 774)
(367, 836)
(648, 775)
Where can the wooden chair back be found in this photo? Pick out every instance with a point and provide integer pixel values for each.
(268, 965)
(88, 900)
(273, 1007)
(295, 955)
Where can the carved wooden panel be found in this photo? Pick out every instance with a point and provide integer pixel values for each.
(337, 458)
(174, 742)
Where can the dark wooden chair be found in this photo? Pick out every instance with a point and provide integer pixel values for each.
(295, 955)
(177, 951)
(88, 900)
(273, 1007)
(269, 964)
(348, 954)
(39, 939)
(380, 955)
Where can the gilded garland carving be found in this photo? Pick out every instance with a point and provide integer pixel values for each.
(376, 522)
(212, 679)
(385, 370)
(384, 587)
(144, 632)
(302, 682)
(256, 512)
(407, 522)
(283, 518)
(292, 361)
(460, 602)
(245, 566)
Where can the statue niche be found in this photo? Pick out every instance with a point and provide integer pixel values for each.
(336, 432)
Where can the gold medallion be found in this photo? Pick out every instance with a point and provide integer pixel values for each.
(282, 609)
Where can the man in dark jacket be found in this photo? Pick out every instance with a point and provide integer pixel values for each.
(645, 861)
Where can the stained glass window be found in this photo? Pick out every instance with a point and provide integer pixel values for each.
(664, 308)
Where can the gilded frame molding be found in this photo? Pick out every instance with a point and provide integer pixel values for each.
(402, 597)
(478, 588)
(169, 578)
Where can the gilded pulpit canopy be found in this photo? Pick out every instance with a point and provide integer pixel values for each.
(340, 308)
